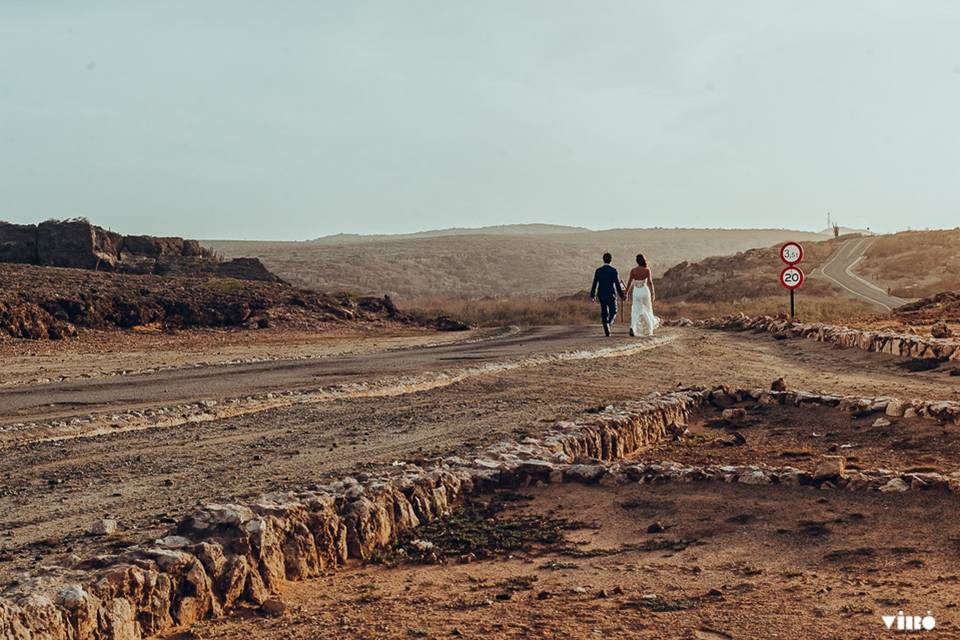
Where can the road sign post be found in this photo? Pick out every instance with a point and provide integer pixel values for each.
(791, 277)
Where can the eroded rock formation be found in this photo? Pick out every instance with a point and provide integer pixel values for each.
(78, 244)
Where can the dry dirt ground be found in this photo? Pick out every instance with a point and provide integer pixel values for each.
(98, 354)
(734, 562)
(52, 491)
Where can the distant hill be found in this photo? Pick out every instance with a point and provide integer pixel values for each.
(517, 260)
(750, 274)
(503, 229)
(915, 264)
(844, 231)
(912, 264)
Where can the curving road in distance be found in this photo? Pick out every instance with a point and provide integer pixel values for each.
(838, 269)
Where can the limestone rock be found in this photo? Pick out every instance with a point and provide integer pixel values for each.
(895, 408)
(895, 485)
(829, 468)
(734, 416)
(585, 473)
(941, 330)
(104, 527)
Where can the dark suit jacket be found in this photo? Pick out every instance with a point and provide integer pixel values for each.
(606, 283)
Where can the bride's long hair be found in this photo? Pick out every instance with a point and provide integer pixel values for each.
(641, 260)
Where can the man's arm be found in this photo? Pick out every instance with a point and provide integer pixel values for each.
(593, 287)
(616, 281)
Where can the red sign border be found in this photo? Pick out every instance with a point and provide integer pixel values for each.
(803, 277)
(784, 246)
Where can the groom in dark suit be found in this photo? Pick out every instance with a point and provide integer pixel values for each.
(606, 287)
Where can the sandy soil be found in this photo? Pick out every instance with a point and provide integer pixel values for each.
(108, 353)
(51, 492)
(779, 436)
(754, 562)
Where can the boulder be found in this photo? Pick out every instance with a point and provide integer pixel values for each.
(104, 527)
(734, 416)
(895, 408)
(895, 485)
(446, 323)
(829, 468)
(941, 330)
(585, 473)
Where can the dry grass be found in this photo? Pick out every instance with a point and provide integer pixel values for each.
(915, 263)
(489, 264)
(834, 309)
(491, 312)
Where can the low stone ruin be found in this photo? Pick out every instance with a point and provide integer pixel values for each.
(78, 244)
(227, 554)
(898, 344)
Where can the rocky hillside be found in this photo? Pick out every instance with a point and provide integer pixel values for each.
(749, 274)
(915, 264)
(527, 263)
(81, 245)
(942, 307)
(51, 302)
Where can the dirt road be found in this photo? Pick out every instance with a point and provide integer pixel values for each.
(839, 270)
(39, 402)
(51, 492)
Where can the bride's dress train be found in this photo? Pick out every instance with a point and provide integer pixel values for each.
(642, 320)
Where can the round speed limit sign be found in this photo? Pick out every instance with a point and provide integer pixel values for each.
(791, 253)
(791, 277)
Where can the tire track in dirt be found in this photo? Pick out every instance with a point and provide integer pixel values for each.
(209, 410)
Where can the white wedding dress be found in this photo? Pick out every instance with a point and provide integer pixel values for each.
(642, 320)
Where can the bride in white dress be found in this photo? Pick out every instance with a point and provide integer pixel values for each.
(642, 295)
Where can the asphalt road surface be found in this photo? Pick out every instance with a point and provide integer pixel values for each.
(839, 269)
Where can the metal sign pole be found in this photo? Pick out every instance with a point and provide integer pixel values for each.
(792, 308)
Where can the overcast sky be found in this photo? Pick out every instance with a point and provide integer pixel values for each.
(293, 119)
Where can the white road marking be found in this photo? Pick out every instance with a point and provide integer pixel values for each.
(859, 247)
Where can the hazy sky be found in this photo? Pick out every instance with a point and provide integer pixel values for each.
(294, 119)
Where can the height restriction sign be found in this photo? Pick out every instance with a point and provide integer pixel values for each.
(791, 253)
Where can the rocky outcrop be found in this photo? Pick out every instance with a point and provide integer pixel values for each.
(78, 244)
(18, 243)
(227, 554)
(898, 344)
(48, 302)
(943, 306)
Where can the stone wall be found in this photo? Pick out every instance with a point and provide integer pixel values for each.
(898, 344)
(226, 554)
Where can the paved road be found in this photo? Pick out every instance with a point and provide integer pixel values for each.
(55, 400)
(839, 270)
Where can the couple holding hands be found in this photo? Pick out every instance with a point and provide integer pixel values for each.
(607, 286)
